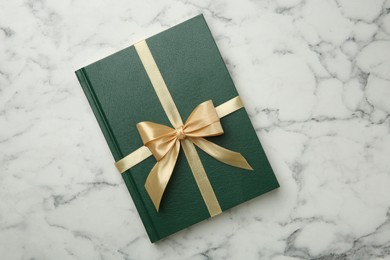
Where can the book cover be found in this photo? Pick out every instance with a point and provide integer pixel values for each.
(121, 95)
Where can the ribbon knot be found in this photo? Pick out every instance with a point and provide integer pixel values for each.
(180, 133)
(164, 143)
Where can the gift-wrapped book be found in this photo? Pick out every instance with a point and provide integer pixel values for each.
(177, 128)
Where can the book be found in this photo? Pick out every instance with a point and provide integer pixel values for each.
(121, 95)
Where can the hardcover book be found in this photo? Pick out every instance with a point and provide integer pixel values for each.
(121, 93)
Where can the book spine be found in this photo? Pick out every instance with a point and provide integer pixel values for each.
(116, 152)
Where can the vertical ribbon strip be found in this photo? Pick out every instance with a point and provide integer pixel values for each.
(174, 117)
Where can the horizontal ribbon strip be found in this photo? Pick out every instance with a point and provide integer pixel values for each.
(143, 152)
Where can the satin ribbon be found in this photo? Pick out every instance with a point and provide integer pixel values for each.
(164, 142)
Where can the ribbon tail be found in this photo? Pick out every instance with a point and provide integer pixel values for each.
(160, 174)
(221, 154)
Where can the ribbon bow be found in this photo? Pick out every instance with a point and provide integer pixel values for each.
(164, 144)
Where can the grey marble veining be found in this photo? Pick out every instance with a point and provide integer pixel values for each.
(315, 77)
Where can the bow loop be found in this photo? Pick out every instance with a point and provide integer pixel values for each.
(158, 138)
(201, 117)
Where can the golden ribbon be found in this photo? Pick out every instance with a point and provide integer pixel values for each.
(164, 142)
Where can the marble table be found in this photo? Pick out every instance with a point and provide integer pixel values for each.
(315, 77)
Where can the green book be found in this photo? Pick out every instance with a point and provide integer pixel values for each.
(121, 95)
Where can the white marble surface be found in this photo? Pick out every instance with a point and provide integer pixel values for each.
(315, 76)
